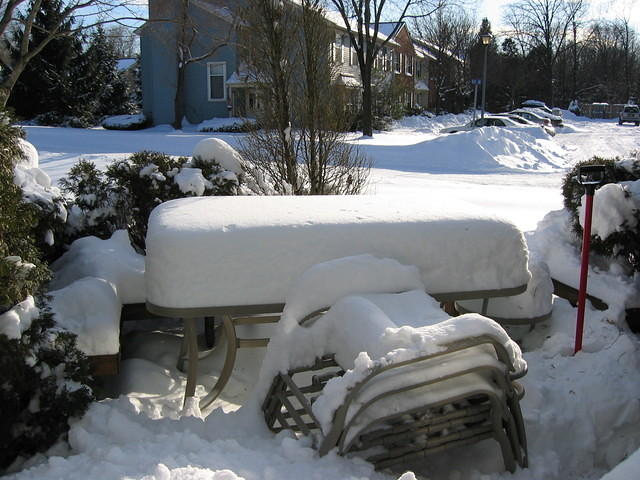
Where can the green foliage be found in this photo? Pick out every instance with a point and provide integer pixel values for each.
(93, 206)
(46, 83)
(21, 268)
(44, 385)
(74, 81)
(623, 245)
(43, 374)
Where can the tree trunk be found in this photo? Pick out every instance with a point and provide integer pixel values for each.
(7, 84)
(367, 99)
(178, 101)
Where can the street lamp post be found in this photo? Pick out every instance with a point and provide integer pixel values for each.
(486, 40)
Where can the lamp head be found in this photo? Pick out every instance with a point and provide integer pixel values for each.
(486, 38)
(591, 174)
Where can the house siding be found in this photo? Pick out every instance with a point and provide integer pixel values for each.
(159, 65)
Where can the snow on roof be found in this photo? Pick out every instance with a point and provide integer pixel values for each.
(212, 6)
(422, 51)
(336, 19)
(264, 243)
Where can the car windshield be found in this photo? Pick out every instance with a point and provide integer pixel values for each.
(632, 110)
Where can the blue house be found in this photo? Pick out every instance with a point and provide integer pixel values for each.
(200, 35)
(168, 42)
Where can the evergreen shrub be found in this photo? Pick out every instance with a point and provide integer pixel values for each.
(44, 376)
(623, 245)
(131, 188)
(44, 385)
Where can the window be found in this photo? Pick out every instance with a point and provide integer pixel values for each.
(217, 73)
(418, 69)
(337, 48)
(396, 62)
(409, 66)
(346, 44)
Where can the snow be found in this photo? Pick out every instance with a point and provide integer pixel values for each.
(124, 121)
(219, 151)
(534, 302)
(90, 308)
(614, 205)
(18, 319)
(191, 180)
(556, 244)
(190, 241)
(30, 159)
(582, 413)
(113, 260)
(359, 330)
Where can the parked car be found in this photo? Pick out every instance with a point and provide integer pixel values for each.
(630, 113)
(487, 121)
(530, 119)
(555, 120)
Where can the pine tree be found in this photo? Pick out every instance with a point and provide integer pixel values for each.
(44, 85)
(99, 89)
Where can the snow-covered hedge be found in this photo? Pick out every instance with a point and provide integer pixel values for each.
(136, 121)
(616, 215)
(43, 374)
(125, 195)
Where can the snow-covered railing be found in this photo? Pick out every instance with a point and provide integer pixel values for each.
(225, 256)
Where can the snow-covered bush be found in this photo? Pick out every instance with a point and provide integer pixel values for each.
(42, 372)
(616, 220)
(147, 179)
(21, 268)
(44, 382)
(136, 121)
(91, 202)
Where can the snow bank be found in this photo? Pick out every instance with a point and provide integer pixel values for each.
(499, 149)
(113, 260)
(222, 251)
(555, 243)
(214, 149)
(90, 308)
(482, 150)
(18, 319)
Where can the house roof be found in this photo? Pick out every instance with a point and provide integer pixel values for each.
(389, 29)
(217, 8)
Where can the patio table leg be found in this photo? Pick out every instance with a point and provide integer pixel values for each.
(229, 362)
(191, 339)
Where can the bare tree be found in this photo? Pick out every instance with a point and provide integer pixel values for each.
(123, 39)
(362, 20)
(450, 34)
(544, 25)
(300, 148)
(21, 14)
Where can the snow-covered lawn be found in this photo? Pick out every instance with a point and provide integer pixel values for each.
(582, 413)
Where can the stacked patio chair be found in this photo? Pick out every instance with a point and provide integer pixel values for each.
(403, 409)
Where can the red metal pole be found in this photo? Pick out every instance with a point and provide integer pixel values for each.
(584, 270)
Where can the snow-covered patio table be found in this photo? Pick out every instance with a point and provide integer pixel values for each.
(224, 256)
